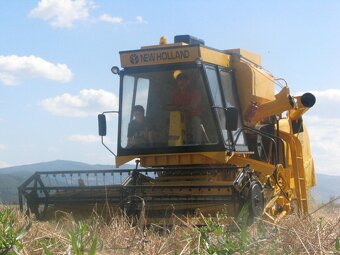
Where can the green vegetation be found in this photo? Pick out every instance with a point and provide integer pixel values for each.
(83, 240)
(10, 233)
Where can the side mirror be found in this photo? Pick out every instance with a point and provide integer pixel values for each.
(102, 124)
(231, 118)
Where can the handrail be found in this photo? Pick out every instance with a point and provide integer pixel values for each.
(271, 137)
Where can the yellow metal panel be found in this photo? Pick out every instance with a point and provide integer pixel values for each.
(308, 162)
(253, 85)
(215, 57)
(197, 158)
(258, 166)
(284, 125)
(121, 160)
(251, 56)
(176, 129)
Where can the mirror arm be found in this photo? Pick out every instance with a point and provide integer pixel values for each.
(102, 137)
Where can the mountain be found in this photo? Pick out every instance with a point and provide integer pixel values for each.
(327, 187)
(61, 165)
(12, 177)
(9, 184)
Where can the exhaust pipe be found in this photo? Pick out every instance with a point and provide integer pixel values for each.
(303, 103)
(308, 100)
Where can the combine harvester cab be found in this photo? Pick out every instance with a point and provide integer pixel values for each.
(209, 133)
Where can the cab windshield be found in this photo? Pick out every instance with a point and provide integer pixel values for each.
(167, 108)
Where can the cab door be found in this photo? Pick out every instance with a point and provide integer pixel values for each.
(224, 95)
(230, 95)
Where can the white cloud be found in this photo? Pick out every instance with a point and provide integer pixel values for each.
(111, 19)
(15, 68)
(7, 79)
(84, 138)
(116, 20)
(89, 102)
(2, 147)
(140, 20)
(325, 139)
(62, 13)
(329, 94)
(89, 139)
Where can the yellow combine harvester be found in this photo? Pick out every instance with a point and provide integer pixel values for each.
(208, 131)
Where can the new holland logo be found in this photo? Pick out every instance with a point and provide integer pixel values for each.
(134, 59)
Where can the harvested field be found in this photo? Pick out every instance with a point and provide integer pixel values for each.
(317, 234)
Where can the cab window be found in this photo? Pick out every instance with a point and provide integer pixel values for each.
(166, 108)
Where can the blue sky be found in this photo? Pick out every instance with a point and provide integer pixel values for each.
(56, 55)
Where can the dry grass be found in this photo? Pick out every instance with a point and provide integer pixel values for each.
(316, 234)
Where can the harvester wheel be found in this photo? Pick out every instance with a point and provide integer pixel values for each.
(256, 199)
(131, 208)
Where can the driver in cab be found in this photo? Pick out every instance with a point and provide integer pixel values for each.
(187, 99)
(138, 131)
